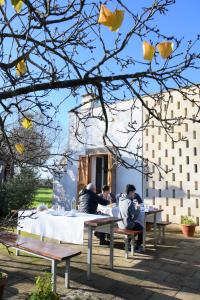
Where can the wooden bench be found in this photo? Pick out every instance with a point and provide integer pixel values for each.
(53, 252)
(129, 234)
(161, 225)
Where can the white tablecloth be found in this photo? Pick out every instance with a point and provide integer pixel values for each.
(63, 228)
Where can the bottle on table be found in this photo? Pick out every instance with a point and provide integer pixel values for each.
(73, 204)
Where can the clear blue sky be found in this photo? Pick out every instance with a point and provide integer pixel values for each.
(182, 21)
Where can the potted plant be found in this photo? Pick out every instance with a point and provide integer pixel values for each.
(43, 289)
(3, 283)
(188, 226)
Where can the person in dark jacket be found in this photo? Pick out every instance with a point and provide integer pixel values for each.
(88, 202)
(129, 214)
(107, 195)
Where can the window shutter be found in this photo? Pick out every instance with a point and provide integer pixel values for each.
(111, 177)
(83, 172)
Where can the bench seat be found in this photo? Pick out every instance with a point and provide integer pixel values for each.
(129, 234)
(161, 228)
(55, 253)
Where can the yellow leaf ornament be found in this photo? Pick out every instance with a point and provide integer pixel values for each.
(2, 2)
(165, 49)
(113, 20)
(17, 5)
(21, 68)
(26, 123)
(20, 148)
(148, 51)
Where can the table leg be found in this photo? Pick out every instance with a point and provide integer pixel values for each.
(111, 245)
(53, 273)
(67, 271)
(17, 251)
(155, 230)
(144, 234)
(89, 254)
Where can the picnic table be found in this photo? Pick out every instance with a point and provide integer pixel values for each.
(65, 228)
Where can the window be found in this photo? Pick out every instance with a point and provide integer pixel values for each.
(196, 185)
(197, 203)
(167, 218)
(159, 193)
(187, 160)
(195, 151)
(160, 177)
(194, 135)
(147, 132)
(174, 210)
(181, 185)
(187, 144)
(153, 153)
(173, 193)
(178, 104)
(188, 176)
(166, 153)
(159, 161)
(154, 201)
(167, 202)
(159, 145)
(186, 112)
(173, 160)
(166, 168)
(193, 103)
(189, 211)
(172, 113)
(165, 137)
(180, 152)
(195, 168)
(197, 221)
(153, 169)
(147, 147)
(181, 202)
(153, 184)
(147, 193)
(152, 138)
(166, 185)
(173, 176)
(172, 144)
(179, 135)
(152, 124)
(186, 127)
(159, 130)
(180, 169)
(188, 194)
(171, 99)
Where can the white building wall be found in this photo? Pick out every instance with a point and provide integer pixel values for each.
(92, 138)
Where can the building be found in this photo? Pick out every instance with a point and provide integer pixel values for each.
(177, 190)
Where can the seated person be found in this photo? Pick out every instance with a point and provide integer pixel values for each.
(130, 214)
(88, 202)
(136, 197)
(107, 195)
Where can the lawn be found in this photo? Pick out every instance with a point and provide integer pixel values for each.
(43, 195)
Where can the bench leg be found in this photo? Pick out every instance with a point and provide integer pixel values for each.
(89, 254)
(17, 251)
(53, 272)
(163, 235)
(67, 273)
(155, 231)
(159, 234)
(133, 244)
(111, 245)
(126, 247)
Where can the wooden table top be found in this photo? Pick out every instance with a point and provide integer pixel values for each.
(99, 222)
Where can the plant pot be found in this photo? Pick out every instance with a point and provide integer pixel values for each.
(3, 283)
(188, 230)
(148, 226)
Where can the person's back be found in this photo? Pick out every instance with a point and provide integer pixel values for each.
(89, 200)
(127, 212)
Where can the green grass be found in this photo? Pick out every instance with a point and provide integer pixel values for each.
(43, 195)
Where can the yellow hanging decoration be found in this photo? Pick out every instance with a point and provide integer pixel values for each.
(165, 49)
(21, 68)
(112, 20)
(2, 2)
(17, 5)
(26, 123)
(20, 148)
(148, 51)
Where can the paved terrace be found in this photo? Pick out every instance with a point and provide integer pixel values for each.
(170, 272)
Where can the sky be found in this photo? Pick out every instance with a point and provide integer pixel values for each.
(182, 21)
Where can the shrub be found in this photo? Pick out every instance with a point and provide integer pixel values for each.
(187, 220)
(43, 289)
(18, 191)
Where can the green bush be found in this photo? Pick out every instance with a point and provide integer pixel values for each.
(18, 191)
(43, 289)
(187, 220)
